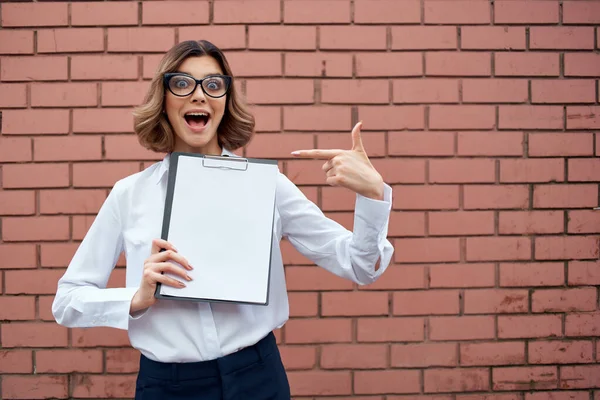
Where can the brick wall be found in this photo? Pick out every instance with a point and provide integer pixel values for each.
(482, 116)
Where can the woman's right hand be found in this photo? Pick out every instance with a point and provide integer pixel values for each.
(154, 266)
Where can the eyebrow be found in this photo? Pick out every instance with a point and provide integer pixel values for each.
(209, 74)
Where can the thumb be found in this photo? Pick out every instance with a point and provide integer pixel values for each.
(356, 137)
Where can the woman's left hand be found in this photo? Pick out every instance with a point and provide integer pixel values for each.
(349, 168)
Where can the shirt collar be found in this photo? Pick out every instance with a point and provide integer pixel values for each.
(163, 168)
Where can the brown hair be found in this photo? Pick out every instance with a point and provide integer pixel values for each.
(152, 125)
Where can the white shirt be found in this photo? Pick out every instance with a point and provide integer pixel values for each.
(178, 331)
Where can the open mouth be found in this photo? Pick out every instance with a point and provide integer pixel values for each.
(196, 119)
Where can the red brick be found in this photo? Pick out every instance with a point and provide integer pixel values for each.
(282, 37)
(285, 91)
(329, 330)
(389, 64)
(458, 64)
(67, 361)
(529, 326)
(538, 12)
(100, 67)
(250, 12)
(457, 12)
(17, 256)
(45, 308)
(253, 64)
(318, 64)
(584, 273)
(274, 145)
(421, 143)
(103, 385)
(268, 118)
(337, 199)
(164, 13)
(555, 395)
(16, 42)
(583, 117)
(99, 336)
(427, 302)
(582, 64)
(32, 281)
(291, 256)
(81, 224)
(582, 324)
(16, 308)
(532, 274)
(456, 380)
(374, 142)
(424, 91)
(27, 68)
(581, 377)
(461, 275)
(399, 277)
(33, 334)
(401, 171)
(584, 169)
(314, 278)
(67, 40)
(405, 329)
(354, 303)
(462, 171)
(35, 228)
(16, 361)
(353, 38)
(492, 38)
(424, 37)
(305, 383)
(424, 355)
(355, 91)
(303, 304)
(13, 95)
(84, 201)
(63, 94)
(407, 224)
(122, 360)
(94, 13)
(495, 196)
(524, 378)
(462, 117)
(532, 170)
(226, 37)
(490, 144)
(131, 40)
(580, 13)
(324, 118)
(568, 91)
(530, 117)
(530, 222)
(503, 90)
(429, 197)
(127, 147)
(461, 328)
(102, 174)
(526, 64)
(564, 300)
(561, 144)
(387, 381)
(36, 386)
(392, 117)
(561, 37)
(560, 352)
(28, 122)
(386, 11)
(303, 12)
(411, 250)
(34, 14)
(565, 196)
(344, 356)
(495, 301)
(452, 223)
(17, 202)
(35, 175)
(61, 148)
(498, 248)
(492, 353)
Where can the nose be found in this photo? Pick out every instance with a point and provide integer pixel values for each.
(198, 95)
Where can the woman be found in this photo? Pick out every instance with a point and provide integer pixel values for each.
(210, 350)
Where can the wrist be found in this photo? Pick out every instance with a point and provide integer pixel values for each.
(376, 192)
(137, 304)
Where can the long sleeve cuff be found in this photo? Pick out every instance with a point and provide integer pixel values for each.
(371, 220)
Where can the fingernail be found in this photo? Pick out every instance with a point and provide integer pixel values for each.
(295, 153)
(181, 284)
(189, 278)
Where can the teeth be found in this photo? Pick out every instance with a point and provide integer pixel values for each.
(197, 114)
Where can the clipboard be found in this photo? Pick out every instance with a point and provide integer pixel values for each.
(219, 214)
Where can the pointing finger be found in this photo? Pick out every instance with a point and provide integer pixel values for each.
(316, 153)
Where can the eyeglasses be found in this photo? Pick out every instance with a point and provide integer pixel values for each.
(183, 84)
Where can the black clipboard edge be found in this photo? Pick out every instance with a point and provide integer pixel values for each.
(173, 162)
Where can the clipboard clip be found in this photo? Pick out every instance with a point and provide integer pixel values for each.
(225, 162)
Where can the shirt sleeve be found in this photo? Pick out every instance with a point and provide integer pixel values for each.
(82, 299)
(351, 255)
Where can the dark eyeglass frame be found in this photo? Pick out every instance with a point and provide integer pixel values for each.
(226, 78)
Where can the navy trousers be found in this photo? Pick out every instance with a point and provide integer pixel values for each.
(253, 373)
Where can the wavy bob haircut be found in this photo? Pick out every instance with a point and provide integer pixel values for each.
(151, 123)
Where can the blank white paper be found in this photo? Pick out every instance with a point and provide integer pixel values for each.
(222, 222)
